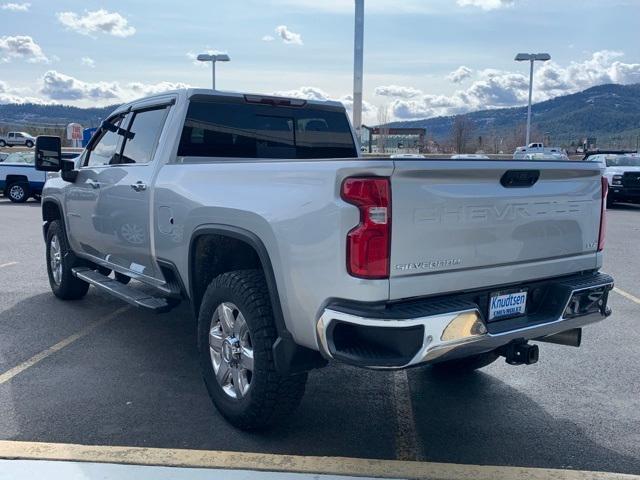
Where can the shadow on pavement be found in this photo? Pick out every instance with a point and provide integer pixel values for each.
(477, 419)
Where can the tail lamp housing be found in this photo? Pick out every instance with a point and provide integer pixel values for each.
(603, 214)
(369, 243)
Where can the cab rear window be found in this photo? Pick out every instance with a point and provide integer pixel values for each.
(244, 130)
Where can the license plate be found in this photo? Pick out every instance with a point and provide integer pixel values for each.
(503, 305)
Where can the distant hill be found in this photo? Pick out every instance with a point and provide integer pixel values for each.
(48, 115)
(609, 112)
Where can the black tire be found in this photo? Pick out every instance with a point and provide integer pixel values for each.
(465, 365)
(29, 144)
(3, 143)
(68, 287)
(122, 278)
(271, 396)
(18, 192)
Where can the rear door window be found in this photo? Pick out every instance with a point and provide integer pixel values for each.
(142, 137)
(245, 130)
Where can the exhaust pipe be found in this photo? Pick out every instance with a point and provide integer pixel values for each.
(572, 338)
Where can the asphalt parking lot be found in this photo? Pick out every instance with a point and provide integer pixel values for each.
(121, 376)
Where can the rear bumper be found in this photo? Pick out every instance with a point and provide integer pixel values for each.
(417, 332)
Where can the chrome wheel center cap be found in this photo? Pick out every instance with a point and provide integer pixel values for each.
(231, 350)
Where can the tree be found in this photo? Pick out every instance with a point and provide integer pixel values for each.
(461, 132)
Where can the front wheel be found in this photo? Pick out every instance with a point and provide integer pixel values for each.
(18, 192)
(236, 333)
(60, 261)
(29, 144)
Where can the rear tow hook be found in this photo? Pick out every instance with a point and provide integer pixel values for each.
(520, 353)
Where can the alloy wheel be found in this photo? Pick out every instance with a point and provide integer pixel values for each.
(231, 350)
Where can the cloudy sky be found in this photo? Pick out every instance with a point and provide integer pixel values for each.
(422, 57)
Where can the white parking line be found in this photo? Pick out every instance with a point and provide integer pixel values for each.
(289, 463)
(406, 436)
(626, 295)
(37, 358)
(8, 264)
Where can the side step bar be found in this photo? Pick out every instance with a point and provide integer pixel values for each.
(129, 294)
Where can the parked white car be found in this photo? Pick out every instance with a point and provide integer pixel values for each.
(18, 139)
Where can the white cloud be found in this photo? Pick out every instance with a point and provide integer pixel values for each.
(496, 88)
(16, 7)
(21, 47)
(88, 62)
(486, 4)
(58, 86)
(268, 38)
(397, 91)
(369, 110)
(12, 95)
(459, 74)
(98, 21)
(288, 36)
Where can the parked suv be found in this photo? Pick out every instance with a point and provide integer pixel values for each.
(292, 250)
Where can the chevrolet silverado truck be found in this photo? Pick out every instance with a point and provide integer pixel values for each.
(293, 251)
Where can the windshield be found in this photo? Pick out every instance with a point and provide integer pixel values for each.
(623, 161)
(215, 129)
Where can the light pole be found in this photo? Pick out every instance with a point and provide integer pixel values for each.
(531, 57)
(358, 46)
(213, 58)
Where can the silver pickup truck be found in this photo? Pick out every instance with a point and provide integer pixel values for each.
(292, 250)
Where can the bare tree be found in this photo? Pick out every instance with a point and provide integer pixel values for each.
(461, 133)
(383, 127)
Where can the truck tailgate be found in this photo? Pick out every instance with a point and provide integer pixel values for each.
(460, 225)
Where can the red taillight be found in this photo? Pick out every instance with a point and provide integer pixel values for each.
(369, 243)
(603, 214)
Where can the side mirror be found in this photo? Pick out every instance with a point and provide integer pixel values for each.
(48, 153)
(68, 170)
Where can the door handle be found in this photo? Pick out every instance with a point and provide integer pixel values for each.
(93, 183)
(139, 186)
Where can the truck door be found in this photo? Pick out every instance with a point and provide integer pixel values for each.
(86, 221)
(11, 138)
(124, 202)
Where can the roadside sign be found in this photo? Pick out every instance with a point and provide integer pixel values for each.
(74, 131)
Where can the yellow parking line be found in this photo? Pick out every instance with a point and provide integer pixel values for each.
(289, 463)
(8, 264)
(9, 374)
(626, 295)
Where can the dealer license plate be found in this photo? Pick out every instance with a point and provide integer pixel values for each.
(503, 305)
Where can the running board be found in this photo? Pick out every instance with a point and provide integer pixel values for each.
(129, 294)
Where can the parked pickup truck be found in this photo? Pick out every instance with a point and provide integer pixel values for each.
(19, 179)
(17, 138)
(292, 250)
(622, 171)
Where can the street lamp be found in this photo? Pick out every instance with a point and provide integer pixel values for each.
(213, 58)
(531, 57)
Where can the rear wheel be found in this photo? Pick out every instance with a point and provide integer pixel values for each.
(468, 364)
(18, 192)
(60, 261)
(3, 143)
(236, 333)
